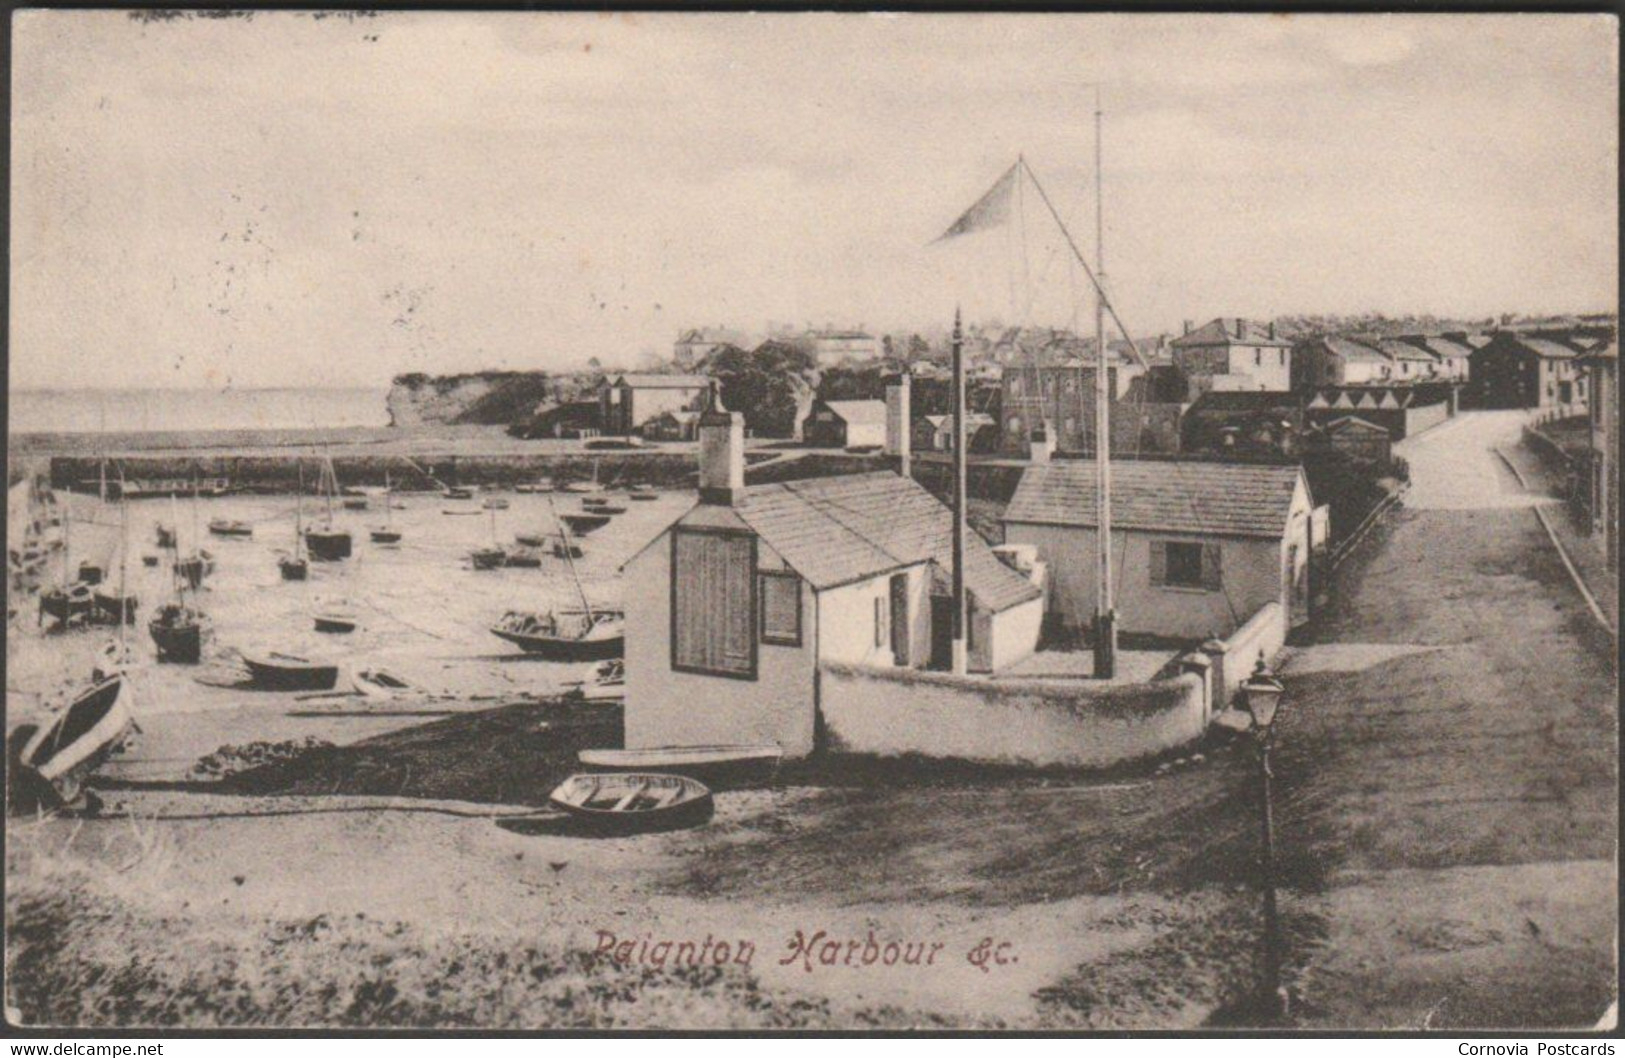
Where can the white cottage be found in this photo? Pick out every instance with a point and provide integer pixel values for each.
(1199, 547)
(731, 610)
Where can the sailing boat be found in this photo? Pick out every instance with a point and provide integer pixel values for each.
(327, 542)
(177, 629)
(118, 607)
(587, 634)
(489, 557)
(294, 566)
(387, 533)
(195, 567)
(71, 601)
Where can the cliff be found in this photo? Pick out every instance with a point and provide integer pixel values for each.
(482, 398)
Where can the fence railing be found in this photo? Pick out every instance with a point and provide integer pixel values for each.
(1346, 546)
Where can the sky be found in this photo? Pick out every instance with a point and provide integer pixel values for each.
(289, 200)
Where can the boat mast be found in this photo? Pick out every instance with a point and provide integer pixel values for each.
(1105, 619)
(961, 660)
(299, 510)
(123, 563)
(569, 560)
(389, 495)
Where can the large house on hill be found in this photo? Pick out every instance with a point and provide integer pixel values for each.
(1516, 370)
(1230, 354)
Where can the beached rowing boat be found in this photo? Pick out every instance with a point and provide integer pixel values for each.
(289, 672)
(630, 802)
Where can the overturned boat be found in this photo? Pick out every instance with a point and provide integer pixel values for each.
(716, 764)
(230, 527)
(50, 764)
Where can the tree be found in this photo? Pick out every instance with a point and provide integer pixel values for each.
(771, 384)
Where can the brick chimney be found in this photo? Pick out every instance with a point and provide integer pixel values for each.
(1040, 445)
(1272, 330)
(722, 454)
(898, 439)
(1189, 326)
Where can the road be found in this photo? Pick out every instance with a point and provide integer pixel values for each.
(1448, 764)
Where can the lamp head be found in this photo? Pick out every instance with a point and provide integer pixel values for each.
(1261, 694)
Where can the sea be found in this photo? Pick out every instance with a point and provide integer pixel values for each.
(180, 410)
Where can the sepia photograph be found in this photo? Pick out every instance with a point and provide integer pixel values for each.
(812, 522)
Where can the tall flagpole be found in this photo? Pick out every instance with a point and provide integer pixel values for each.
(1105, 618)
(961, 659)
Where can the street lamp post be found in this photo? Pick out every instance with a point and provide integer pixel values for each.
(1261, 694)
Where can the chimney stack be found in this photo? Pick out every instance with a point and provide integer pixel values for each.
(1040, 445)
(1189, 326)
(1272, 330)
(722, 454)
(899, 440)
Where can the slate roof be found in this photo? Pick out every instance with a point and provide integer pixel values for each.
(664, 381)
(1605, 351)
(1206, 499)
(1351, 349)
(1396, 349)
(1546, 348)
(837, 530)
(1246, 400)
(1223, 332)
(859, 412)
(1443, 347)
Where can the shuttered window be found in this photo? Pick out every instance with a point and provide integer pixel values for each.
(781, 609)
(713, 604)
(1186, 564)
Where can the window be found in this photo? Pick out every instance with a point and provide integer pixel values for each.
(881, 626)
(712, 606)
(1185, 564)
(781, 609)
(1258, 358)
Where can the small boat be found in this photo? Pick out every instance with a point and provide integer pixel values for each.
(537, 539)
(642, 493)
(289, 672)
(522, 558)
(230, 527)
(595, 502)
(608, 683)
(585, 522)
(565, 635)
(352, 490)
(355, 503)
(150, 561)
(335, 621)
(387, 533)
(534, 488)
(495, 503)
(66, 605)
(111, 660)
(715, 764)
(326, 543)
(177, 631)
(195, 568)
(90, 573)
(166, 535)
(377, 683)
(566, 549)
(459, 512)
(487, 557)
(53, 762)
(581, 487)
(632, 802)
(458, 494)
(293, 568)
(113, 609)
(609, 508)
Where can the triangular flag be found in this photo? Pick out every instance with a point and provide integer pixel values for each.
(991, 210)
